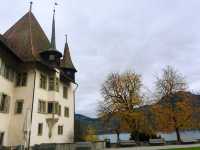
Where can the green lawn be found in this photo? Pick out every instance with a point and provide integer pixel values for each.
(192, 148)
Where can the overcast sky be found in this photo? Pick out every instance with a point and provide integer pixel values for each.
(119, 35)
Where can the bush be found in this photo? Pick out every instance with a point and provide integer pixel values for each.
(142, 136)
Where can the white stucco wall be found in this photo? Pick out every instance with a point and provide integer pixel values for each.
(66, 122)
(6, 87)
(16, 124)
(12, 124)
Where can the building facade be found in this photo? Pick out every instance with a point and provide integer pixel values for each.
(37, 86)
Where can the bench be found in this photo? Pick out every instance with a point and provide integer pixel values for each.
(125, 143)
(188, 141)
(156, 141)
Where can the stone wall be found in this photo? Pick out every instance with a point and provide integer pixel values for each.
(99, 145)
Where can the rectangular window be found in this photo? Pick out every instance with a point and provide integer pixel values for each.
(52, 57)
(4, 103)
(24, 79)
(50, 107)
(43, 81)
(57, 84)
(19, 106)
(65, 91)
(42, 106)
(53, 108)
(6, 71)
(21, 79)
(66, 113)
(18, 79)
(51, 83)
(40, 129)
(1, 138)
(60, 130)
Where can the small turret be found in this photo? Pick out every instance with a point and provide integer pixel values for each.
(52, 55)
(67, 64)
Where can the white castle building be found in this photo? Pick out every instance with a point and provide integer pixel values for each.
(37, 86)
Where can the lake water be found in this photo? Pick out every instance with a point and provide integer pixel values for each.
(167, 137)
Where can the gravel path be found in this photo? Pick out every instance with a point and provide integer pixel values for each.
(156, 147)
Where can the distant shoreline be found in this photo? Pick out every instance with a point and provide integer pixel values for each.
(194, 134)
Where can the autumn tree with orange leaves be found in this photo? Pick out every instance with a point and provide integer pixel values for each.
(122, 98)
(173, 111)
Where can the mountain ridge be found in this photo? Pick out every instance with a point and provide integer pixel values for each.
(98, 125)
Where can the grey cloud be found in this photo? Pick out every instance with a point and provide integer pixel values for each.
(118, 35)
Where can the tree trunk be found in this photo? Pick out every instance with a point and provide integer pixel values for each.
(137, 133)
(177, 131)
(178, 135)
(137, 138)
(118, 139)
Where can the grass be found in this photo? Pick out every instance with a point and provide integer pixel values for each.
(190, 148)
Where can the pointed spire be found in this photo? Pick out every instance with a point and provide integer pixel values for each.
(66, 47)
(52, 50)
(53, 35)
(67, 61)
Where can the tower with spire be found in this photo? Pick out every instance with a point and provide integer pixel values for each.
(52, 55)
(67, 64)
(37, 86)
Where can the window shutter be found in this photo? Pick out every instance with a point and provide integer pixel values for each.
(1, 99)
(45, 108)
(54, 108)
(7, 104)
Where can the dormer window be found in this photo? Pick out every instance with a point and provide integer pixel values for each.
(51, 57)
(68, 73)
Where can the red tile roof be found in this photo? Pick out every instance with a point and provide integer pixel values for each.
(27, 38)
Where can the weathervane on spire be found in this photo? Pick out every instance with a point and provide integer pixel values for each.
(31, 3)
(53, 36)
(54, 9)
